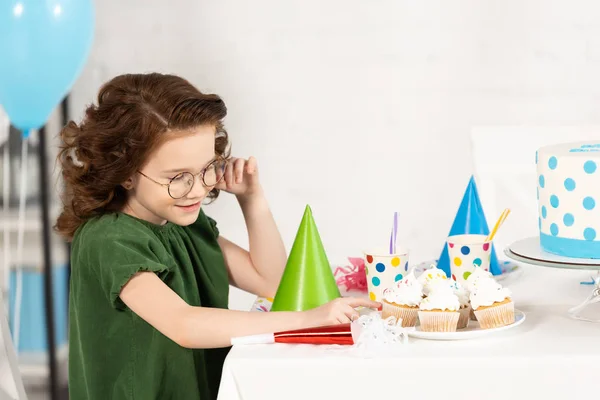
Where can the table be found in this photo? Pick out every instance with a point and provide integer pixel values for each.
(550, 356)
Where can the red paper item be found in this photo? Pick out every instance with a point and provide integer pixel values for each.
(336, 334)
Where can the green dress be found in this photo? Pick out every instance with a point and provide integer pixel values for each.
(113, 353)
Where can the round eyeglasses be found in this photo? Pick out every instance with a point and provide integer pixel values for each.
(181, 184)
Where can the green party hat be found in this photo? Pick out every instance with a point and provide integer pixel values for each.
(307, 281)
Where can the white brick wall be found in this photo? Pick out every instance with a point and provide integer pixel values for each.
(382, 93)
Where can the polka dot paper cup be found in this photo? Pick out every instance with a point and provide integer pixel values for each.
(466, 253)
(384, 270)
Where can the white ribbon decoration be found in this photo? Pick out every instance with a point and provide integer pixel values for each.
(376, 331)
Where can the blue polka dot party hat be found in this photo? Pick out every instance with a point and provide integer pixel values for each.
(470, 219)
(308, 280)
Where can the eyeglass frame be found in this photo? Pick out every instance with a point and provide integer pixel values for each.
(202, 172)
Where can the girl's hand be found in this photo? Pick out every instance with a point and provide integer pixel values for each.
(240, 177)
(338, 311)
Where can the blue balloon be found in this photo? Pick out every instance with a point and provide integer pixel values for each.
(43, 47)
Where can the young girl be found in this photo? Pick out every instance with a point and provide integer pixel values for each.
(150, 272)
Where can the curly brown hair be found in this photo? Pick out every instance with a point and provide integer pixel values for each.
(134, 115)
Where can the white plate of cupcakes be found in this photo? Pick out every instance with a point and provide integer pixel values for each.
(437, 308)
(472, 331)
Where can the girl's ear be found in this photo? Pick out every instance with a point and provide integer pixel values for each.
(128, 184)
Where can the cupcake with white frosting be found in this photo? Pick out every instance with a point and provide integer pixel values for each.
(439, 311)
(402, 301)
(472, 280)
(430, 275)
(492, 304)
(475, 277)
(464, 301)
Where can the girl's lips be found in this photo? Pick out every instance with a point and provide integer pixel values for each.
(190, 208)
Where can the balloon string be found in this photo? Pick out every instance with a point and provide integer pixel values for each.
(20, 241)
(5, 209)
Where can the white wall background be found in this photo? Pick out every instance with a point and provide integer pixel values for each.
(361, 108)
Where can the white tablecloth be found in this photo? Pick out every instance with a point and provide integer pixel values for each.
(549, 356)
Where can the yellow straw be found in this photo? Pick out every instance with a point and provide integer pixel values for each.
(498, 223)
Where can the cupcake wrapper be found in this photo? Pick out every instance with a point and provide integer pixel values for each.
(408, 315)
(438, 321)
(463, 319)
(496, 316)
(472, 314)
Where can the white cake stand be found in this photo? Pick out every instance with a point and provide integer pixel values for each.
(529, 251)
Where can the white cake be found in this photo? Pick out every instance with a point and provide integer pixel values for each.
(569, 199)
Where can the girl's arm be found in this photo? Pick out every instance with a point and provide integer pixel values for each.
(201, 327)
(259, 270)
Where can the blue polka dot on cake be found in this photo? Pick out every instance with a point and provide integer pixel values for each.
(589, 167)
(570, 184)
(554, 201)
(589, 203)
(569, 219)
(589, 234)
